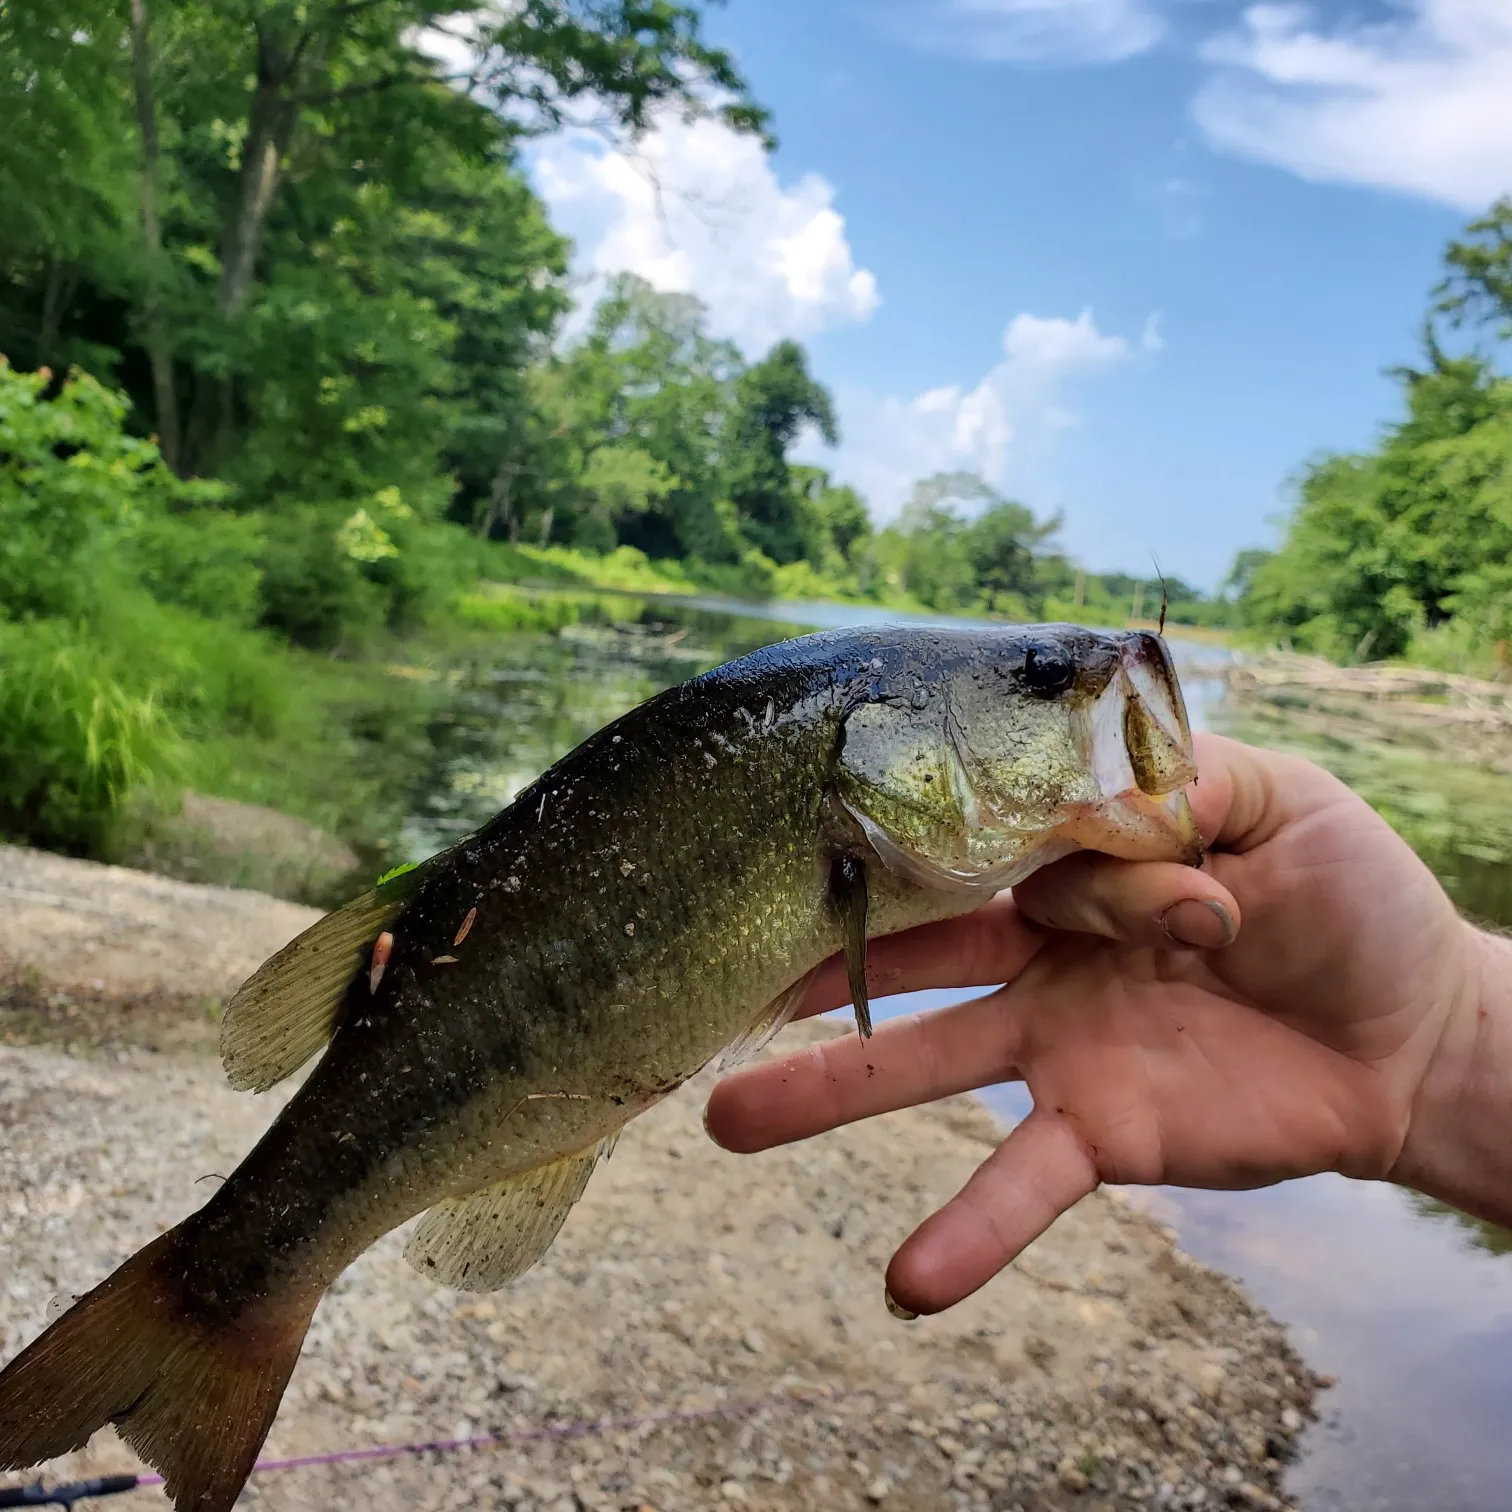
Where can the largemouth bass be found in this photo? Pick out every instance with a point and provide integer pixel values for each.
(491, 1020)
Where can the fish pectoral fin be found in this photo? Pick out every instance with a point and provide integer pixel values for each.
(483, 1241)
(765, 1027)
(848, 899)
(287, 1010)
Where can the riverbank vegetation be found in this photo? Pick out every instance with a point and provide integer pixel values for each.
(286, 388)
(1405, 551)
(290, 394)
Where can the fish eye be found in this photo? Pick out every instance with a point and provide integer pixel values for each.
(1047, 672)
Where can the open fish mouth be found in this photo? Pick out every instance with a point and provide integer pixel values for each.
(1138, 743)
(1130, 742)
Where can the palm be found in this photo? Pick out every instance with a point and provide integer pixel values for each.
(1294, 1050)
(1165, 1078)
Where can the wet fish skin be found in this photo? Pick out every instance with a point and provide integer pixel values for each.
(631, 913)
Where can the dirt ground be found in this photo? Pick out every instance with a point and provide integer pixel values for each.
(1104, 1370)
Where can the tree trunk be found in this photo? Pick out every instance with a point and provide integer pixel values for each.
(499, 500)
(55, 296)
(158, 351)
(270, 133)
(271, 124)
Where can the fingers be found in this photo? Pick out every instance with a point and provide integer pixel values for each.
(1139, 902)
(981, 949)
(1034, 1176)
(906, 1062)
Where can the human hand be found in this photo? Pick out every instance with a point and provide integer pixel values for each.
(1307, 1040)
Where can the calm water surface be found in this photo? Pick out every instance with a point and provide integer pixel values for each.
(1408, 1304)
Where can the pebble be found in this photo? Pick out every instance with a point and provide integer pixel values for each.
(1071, 1475)
(879, 1490)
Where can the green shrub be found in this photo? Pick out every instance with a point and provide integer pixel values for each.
(69, 477)
(206, 561)
(74, 743)
(313, 591)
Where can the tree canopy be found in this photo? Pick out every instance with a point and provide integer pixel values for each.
(1409, 547)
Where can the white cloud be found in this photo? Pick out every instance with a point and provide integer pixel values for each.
(1032, 31)
(888, 444)
(695, 208)
(1421, 104)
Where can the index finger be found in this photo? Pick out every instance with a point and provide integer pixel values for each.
(985, 948)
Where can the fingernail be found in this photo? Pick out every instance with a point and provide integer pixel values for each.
(1202, 923)
(897, 1309)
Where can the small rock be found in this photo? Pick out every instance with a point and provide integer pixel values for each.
(754, 1341)
(734, 1493)
(1070, 1475)
(985, 1412)
(879, 1490)
(1247, 1494)
(1291, 1419)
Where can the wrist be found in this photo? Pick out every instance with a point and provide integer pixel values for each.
(1458, 1147)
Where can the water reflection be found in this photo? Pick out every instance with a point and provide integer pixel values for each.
(1408, 1302)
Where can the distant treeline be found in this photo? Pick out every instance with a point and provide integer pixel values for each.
(1406, 550)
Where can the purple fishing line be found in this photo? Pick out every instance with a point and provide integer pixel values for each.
(546, 1431)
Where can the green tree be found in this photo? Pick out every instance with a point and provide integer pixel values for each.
(283, 164)
(774, 401)
(1477, 286)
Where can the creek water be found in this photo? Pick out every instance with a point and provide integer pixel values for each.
(1407, 1303)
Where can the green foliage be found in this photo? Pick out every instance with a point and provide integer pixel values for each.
(1386, 549)
(73, 742)
(69, 476)
(204, 560)
(773, 401)
(1405, 550)
(1477, 287)
(948, 559)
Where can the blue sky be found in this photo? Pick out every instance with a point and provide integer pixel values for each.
(1135, 260)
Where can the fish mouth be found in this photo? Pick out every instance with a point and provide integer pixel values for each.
(1134, 745)
(1138, 744)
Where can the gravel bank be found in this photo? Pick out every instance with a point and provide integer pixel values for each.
(1105, 1370)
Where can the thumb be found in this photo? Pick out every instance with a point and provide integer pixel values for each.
(1138, 902)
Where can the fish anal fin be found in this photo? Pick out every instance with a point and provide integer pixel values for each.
(287, 1010)
(848, 897)
(765, 1027)
(483, 1241)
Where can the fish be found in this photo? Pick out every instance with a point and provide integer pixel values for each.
(483, 1025)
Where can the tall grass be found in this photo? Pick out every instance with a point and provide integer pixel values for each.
(74, 743)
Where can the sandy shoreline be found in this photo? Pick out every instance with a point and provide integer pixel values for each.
(1104, 1370)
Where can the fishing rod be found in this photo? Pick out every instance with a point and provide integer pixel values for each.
(38, 1495)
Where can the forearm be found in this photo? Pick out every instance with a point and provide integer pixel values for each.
(1459, 1147)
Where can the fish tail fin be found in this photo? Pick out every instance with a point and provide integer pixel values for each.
(194, 1399)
